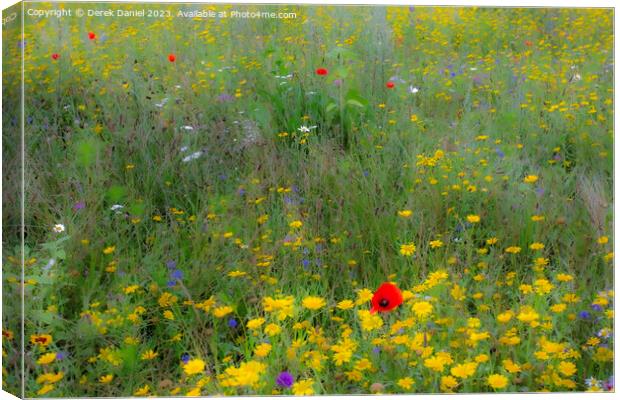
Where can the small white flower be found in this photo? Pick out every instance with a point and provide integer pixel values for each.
(187, 127)
(49, 264)
(192, 156)
(163, 102)
(305, 129)
(413, 89)
(473, 69)
(117, 208)
(58, 228)
(184, 148)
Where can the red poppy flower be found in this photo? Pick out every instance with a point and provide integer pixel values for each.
(321, 71)
(91, 35)
(171, 57)
(389, 85)
(55, 56)
(386, 298)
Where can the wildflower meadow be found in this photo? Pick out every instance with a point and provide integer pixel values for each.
(322, 200)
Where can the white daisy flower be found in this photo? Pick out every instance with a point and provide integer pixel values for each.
(58, 228)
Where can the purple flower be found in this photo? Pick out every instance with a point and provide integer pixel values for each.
(171, 264)
(285, 379)
(232, 323)
(305, 263)
(61, 355)
(176, 274)
(337, 82)
(376, 349)
(185, 358)
(500, 153)
(584, 315)
(609, 384)
(171, 284)
(224, 97)
(597, 307)
(79, 205)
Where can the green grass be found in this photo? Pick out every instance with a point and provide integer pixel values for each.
(503, 94)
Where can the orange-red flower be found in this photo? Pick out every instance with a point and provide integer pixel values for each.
(386, 298)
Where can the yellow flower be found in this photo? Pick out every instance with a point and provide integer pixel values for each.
(369, 321)
(491, 241)
(558, 308)
(448, 383)
(105, 379)
(313, 302)
(255, 323)
(567, 368)
(46, 358)
(464, 370)
(167, 299)
(422, 309)
(131, 289)
(45, 389)
(405, 213)
(511, 366)
(41, 340)
(272, 329)
(530, 179)
(438, 362)
(345, 305)
(505, 317)
(564, 277)
(513, 249)
(221, 312)
(435, 244)
(195, 366)
(537, 246)
(602, 240)
(143, 391)
(169, 315)
(195, 392)
(363, 296)
(262, 350)
(473, 219)
(528, 315)
(296, 224)
(497, 381)
(303, 388)
(247, 374)
(405, 383)
(407, 249)
(50, 378)
(148, 355)
(109, 250)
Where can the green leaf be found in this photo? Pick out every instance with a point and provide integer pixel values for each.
(86, 151)
(331, 107)
(137, 209)
(116, 193)
(341, 72)
(353, 98)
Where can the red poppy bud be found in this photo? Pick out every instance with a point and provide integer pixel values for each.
(171, 57)
(528, 43)
(386, 298)
(321, 71)
(55, 56)
(91, 35)
(389, 85)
